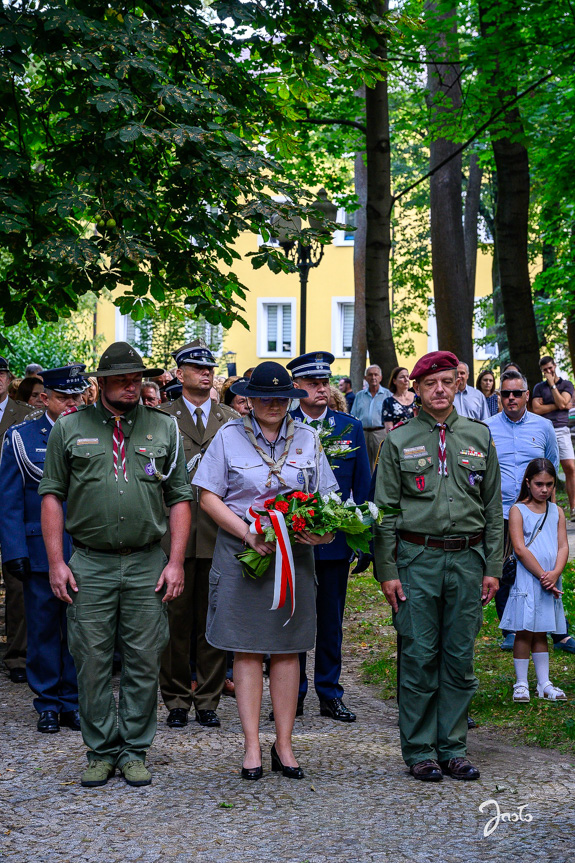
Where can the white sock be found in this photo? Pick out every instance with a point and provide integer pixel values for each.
(521, 668)
(541, 663)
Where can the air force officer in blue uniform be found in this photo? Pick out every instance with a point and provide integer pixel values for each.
(312, 372)
(49, 666)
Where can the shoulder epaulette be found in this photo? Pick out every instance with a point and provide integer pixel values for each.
(73, 410)
(398, 425)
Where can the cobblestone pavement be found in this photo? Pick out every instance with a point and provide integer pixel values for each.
(357, 803)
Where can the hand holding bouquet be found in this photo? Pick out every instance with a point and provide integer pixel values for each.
(309, 513)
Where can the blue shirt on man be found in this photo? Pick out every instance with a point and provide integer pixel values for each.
(367, 408)
(517, 443)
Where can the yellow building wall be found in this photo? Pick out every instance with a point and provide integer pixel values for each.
(333, 278)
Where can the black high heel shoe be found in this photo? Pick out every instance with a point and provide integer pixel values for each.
(252, 772)
(278, 767)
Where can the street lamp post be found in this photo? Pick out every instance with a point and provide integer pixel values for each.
(306, 256)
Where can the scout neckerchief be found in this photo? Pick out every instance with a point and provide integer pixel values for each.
(442, 454)
(119, 448)
(274, 466)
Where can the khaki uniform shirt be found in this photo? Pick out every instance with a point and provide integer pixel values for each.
(104, 513)
(203, 534)
(463, 503)
(17, 412)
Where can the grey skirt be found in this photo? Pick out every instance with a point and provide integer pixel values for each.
(239, 616)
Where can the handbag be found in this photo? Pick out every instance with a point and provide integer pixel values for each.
(509, 570)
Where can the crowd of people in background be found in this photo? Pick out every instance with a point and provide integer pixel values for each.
(531, 436)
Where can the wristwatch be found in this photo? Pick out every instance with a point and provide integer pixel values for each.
(554, 387)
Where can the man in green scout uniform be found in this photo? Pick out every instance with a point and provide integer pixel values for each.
(199, 419)
(438, 561)
(116, 464)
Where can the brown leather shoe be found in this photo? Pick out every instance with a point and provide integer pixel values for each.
(459, 768)
(428, 771)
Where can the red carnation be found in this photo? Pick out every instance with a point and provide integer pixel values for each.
(282, 506)
(298, 523)
(311, 512)
(269, 504)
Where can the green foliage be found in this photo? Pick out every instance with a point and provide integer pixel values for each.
(130, 156)
(53, 344)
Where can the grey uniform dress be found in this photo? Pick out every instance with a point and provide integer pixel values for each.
(239, 615)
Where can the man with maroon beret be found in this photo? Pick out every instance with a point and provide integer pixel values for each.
(438, 562)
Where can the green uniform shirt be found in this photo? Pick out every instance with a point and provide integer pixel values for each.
(465, 502)
(102, 512)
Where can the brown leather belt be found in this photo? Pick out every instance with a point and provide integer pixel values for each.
(128, 550)
(447, 543)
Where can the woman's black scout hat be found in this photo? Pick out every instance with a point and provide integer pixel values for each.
(269, 380)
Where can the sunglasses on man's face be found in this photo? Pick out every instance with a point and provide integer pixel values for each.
(515, 393)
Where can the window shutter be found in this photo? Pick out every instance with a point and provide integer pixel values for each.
(272, 316)
(286, 328)
(347, 326)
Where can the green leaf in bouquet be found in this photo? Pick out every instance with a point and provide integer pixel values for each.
(253, 564)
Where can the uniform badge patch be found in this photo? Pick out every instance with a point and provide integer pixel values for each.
(150, 469)
(300, 477)
(299, 451)
(420, 482)
(471, 479)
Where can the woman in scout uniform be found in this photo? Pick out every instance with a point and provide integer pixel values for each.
(249, 461)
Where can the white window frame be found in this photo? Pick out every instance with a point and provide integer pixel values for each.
(479, 332)
(339, 237)
(337, 325)
(262, 322)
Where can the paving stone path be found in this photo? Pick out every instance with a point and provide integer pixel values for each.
(357, 803)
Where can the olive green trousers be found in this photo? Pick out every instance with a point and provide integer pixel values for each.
(438, 624)
(116, 599)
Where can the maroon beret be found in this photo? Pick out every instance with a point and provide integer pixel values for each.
(436, 361)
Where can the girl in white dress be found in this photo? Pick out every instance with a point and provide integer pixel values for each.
(534, 607)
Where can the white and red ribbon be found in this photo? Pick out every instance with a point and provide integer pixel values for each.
(284, 570)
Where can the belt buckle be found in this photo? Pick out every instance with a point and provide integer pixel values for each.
(125, 550)
(453, 544)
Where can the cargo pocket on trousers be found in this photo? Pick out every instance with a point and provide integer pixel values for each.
(402, 617)
(214, 579)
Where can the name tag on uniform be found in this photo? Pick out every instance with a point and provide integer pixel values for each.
(415, 452)
(40, 449)
(84, 441)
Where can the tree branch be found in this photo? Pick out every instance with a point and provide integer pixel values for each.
(482, 128)
(334, 121)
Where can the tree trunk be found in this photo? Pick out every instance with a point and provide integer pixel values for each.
(453, 298)
(359, 346)
(571, 339)
(511, 226)
(378, 212)
(470, 220)
(512, 211)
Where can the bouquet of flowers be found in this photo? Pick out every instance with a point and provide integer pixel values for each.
(287, 515)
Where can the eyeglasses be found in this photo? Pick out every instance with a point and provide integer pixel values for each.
(515, 393)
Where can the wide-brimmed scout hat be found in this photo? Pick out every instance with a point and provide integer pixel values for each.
(121, 358)
(269, 380)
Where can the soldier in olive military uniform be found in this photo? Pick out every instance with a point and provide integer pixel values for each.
(12, 413)
(117, 464)
(438, 561)
(199, 419)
